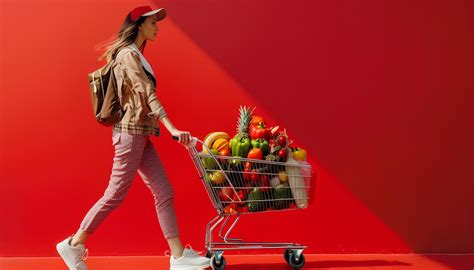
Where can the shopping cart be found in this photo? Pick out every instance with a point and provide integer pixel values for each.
(239, 186)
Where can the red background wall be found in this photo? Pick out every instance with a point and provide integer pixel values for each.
(379, 92)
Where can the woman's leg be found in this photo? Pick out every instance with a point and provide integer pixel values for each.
(128, 154)
(176, 246)
(154, 176)
(79, 237)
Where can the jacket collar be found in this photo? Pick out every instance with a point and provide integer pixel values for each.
(143, 60)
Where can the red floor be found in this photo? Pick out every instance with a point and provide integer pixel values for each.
(260, 262)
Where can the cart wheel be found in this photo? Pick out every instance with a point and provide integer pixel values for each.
(218, 266)
(296, 264)
(208, 254)
(286, 255)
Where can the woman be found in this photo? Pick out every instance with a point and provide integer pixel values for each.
(133, 149)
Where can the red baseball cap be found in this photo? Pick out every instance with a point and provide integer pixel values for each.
(137, 12)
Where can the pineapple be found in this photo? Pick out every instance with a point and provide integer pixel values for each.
(243, 123)
(240, 144)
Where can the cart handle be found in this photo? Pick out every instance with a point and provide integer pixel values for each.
(190, 144)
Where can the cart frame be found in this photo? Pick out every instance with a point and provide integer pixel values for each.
(293, 253)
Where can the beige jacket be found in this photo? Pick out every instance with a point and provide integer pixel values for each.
(136, 90)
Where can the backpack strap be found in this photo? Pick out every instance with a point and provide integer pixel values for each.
(101, 83)
(93, 81)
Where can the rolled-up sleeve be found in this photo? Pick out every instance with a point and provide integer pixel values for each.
(141, 83)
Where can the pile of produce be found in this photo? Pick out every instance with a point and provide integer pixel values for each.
(257, 162)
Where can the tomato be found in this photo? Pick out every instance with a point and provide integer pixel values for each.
(248, 165)
(283, 153)
(235, 197)
(247, 174)
(282, 140)
(252, 131)
(224, 152)
(225, 196)
(239, 195)
(254, 176)
(260, 133)
(264, 182)
(227, 190)
(255, 153)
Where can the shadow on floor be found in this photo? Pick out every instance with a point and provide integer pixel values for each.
(320, 264)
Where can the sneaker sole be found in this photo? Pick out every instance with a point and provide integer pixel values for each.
(190, 267)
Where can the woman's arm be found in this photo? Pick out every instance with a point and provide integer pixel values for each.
(167, 123)
(184, 136)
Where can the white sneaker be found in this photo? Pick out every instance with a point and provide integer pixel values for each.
(74, 257)
(189, 260)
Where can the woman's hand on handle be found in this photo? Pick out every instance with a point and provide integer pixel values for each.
(183, 137)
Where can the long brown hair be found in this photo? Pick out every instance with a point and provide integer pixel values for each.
(126, 36)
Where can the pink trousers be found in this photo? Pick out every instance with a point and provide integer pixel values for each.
(135, 153)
